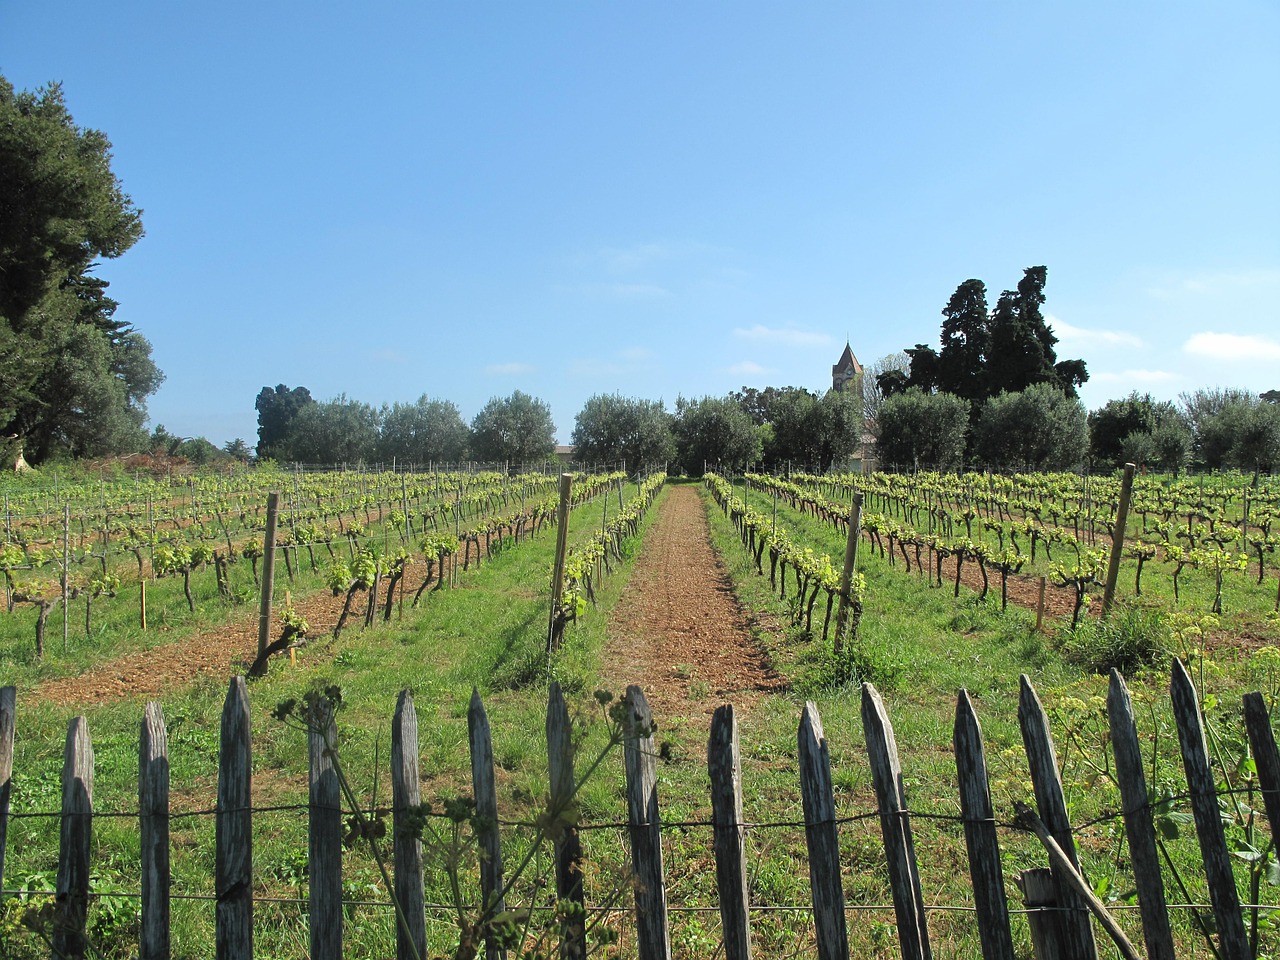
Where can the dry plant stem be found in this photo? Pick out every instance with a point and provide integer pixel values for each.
(1062, 862)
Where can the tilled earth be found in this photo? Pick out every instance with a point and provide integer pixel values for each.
(678, 633)
(230, 647)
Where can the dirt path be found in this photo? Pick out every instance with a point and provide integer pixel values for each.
(211, 653)
(677, 632)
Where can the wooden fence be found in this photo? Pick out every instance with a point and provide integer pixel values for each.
(1063, 929)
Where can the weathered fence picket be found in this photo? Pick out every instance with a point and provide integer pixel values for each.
(75, 843)
(1056, 928)
(822, 837)
(8, 708)
(1078, 943)
(153, 833)
(406, 796)
(233, 828)
(980, 834)
(567, 846)
(895, 827)
(1138, 825)
(724, 765)
(652, 935)
(485, 792)
(1233, 941)
(324, 846)
(1262, 741)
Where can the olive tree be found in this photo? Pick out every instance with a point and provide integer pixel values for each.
(922, 431)
(1039, 428)
(633, 432)
(515, 429)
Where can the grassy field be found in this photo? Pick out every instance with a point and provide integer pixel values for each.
(918, 644)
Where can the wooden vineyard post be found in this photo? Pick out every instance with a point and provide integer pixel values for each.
(233, 830)
(406, 797)
(8, 711)
(822, 838)
(980, 833)
(1043, 761)
(568, 848)
(1117, 540)
(895, 827)
(562, 539)
(724, 765)
(324, 844)
(142, 605)
(1143, 851)
(75, 844)
(153, 830)
(268, 573)
(846, 574)
(653, 939)
(485, 792)
(1233, 942)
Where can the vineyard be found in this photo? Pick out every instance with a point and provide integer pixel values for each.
(443, 583)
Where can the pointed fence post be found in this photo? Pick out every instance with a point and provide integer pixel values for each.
(568, 847)
(153, 830)
(822, 837)
(652, 936)
(980, 833)
(233, 828)
(76, 840)
(1233, 941)
(8, 711)
(1043, 761)
(895, 827)
(486, 796)
(406, 797)
(1262, 740)
(1143, 852)
(324, 845)
(724, 764)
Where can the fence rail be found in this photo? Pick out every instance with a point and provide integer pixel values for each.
(1057, 900)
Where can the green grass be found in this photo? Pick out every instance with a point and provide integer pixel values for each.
(489, 633)
(937, 644)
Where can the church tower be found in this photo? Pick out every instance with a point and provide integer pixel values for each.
(846, 370)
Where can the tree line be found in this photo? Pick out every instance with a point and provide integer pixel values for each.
(74, 379)
(995, 396)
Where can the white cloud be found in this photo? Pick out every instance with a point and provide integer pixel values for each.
(639, 256)
(1235, 347)
(1134, 377)
(636, 354)
(389, 355)
(1216, 284)
(1070, 335)
(593, 367)
(788, 336)
(508, 369)
(618, 291)
(748, 369)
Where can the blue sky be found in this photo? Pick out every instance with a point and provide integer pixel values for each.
(662, 198)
